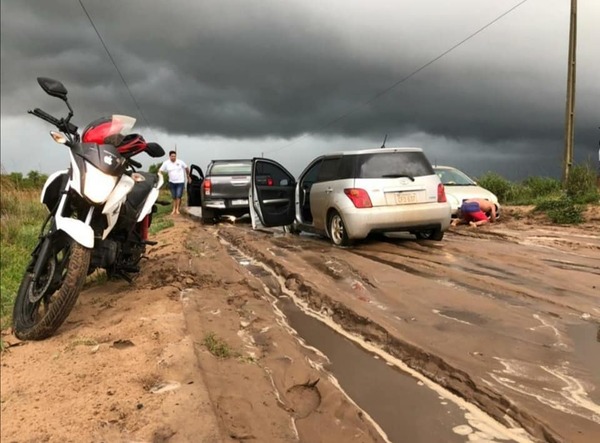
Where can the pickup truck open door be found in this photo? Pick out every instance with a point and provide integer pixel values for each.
(272, 193)
(194, 189)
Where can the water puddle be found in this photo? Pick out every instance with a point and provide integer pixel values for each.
(405, 410)
(404, 404)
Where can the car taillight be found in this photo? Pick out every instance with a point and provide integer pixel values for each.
(207, 186)
(359, 197)
(441, 194)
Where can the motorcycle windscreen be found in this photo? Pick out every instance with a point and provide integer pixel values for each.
(106, 158)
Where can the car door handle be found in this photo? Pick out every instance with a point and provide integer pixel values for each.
(328, 191)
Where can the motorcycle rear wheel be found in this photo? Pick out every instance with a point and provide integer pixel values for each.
(39, 318)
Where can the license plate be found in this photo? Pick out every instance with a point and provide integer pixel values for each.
(239, 202)
(403, 198)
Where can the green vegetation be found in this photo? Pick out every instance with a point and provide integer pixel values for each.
(561, 205)
(159, 219)
(21, 217)
(562, 210)
(217, 346)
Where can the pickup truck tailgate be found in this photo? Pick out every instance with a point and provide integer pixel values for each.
(229, 186)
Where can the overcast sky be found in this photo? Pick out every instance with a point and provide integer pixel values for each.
(294, 79)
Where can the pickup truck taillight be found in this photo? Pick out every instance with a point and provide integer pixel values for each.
(359, 197)
(207, 185)
(441, 194)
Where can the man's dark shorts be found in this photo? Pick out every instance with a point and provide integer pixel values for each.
(176, 189)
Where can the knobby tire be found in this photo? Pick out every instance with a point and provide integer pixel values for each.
(63, 300)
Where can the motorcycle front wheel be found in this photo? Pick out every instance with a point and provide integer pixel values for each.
(42, 306)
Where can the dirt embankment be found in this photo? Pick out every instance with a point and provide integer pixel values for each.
(137, 363)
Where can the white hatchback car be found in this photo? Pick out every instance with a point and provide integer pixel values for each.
(348, 195)
(459, 186)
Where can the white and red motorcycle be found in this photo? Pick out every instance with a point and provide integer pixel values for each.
(100, 212)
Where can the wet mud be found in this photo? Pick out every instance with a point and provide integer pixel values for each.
(499, 305)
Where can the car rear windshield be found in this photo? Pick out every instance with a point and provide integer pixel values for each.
(454, 177)
(413, 164)
(237, 168)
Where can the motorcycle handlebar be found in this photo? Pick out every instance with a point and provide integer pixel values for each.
(45, 116)
(134, 163)
(60, 124)
(70, 127)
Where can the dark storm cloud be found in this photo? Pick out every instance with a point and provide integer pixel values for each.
(267, 68)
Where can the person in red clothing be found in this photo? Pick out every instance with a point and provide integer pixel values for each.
(474, 212)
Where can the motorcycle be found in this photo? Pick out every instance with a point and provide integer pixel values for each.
(100, 210)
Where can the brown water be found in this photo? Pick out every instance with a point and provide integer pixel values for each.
(405, 410)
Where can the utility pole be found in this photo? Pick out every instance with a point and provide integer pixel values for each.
(570, 111)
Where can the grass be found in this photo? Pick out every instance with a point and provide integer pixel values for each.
(562, 204)
(217, 346)
(21, 217)
(159, 219)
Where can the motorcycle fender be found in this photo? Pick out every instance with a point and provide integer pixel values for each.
(49, 181)
(118, 195)
(77, 230)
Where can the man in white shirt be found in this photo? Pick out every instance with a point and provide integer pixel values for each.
(178, 171)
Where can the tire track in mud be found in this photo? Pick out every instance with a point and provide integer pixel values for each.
(511, 295)
(430, 365)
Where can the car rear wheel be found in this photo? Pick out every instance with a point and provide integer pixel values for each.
(430, 234)
(337, 230)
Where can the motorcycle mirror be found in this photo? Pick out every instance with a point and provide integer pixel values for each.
(53, 87)
(154, 150)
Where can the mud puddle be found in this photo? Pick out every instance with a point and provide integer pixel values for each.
(404, 404)
(403, 408)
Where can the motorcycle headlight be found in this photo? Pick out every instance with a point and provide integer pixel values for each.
(98, 185)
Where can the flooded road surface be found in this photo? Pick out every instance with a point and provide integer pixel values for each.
(404, 404)
(506, 319)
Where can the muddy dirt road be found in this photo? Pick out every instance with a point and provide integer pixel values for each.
(490, 335)
(505, 316)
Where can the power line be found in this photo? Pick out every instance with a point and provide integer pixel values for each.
(402, 80)
(114, 64)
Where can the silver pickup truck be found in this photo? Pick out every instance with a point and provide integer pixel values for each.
(225, 189)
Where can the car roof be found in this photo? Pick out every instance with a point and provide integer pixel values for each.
(374, 151)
